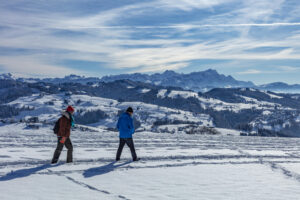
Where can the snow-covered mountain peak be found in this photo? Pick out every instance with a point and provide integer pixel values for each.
(7, 76)
(74, 77)
(197, 81)
(169, 73)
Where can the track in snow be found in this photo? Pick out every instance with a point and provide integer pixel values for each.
(28, 154)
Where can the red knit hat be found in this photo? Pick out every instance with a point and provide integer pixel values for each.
(70, 109)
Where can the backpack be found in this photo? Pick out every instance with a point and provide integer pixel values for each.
(56, 127)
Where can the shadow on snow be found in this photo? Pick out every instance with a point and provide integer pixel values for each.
(25, 172)
(103, 169)
(87, 173)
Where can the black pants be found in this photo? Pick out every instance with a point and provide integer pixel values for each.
(130, 144)
(59, 148)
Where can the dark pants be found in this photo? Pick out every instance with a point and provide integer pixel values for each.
(130, 144)
(59, 148)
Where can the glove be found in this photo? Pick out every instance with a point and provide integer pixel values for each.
(63, 140)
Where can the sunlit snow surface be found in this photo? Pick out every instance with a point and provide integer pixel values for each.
(175, 166)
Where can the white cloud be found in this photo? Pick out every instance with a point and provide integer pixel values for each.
(182, 26)
(161, 68)
(250, 71)
(288, 68)
(273, 70)
(105, 40)
(188, 5)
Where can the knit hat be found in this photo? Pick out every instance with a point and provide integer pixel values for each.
(70, 109)
(129, 109)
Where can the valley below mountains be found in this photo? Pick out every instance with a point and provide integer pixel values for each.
(244, 108)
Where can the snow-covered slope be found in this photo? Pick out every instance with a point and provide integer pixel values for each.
(7, 76)
(47, 108)
(246, 109)
(67, 79)
(176, 167)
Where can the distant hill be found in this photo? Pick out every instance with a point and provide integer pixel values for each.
(281, 87)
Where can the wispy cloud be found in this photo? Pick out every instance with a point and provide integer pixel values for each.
(274, 70)
(250, 71)
(182, 26)
(128, 36)
(288, 68)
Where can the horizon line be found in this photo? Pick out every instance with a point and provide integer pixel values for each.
(17, 76)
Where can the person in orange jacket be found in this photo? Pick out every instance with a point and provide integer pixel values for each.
(63, 136)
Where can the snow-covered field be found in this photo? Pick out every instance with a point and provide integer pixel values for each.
(173, 166)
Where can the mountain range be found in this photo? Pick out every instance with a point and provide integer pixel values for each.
(157, 107)
(197, 81)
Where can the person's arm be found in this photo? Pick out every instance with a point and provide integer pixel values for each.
(131, 125)
(118, 124)
(63, 140)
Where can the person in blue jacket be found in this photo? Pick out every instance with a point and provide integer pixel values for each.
(126, 129)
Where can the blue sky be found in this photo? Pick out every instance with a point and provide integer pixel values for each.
(251, 40)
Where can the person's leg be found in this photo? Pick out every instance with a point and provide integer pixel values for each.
(130, 144)
(57, 150)
(120, 149)
(69, 146)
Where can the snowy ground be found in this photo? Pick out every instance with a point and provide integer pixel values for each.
(175, 166)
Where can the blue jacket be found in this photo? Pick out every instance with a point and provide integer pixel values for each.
(125, 126)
